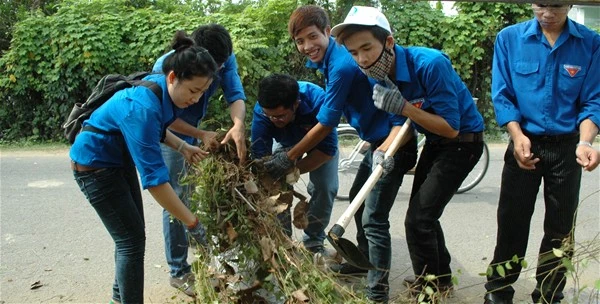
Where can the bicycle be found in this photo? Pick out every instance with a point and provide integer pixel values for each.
(352, 150)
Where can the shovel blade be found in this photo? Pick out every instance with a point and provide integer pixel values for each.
(350, 253)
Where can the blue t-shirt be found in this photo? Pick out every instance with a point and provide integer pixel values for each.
(138, 117)
(426, 76)
(548, 90)
(349, 92)
(311, 98)
(228, 78)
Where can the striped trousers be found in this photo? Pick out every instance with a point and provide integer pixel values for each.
(562, 179)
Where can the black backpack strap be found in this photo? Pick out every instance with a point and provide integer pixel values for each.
(96, 130)
(153, 86)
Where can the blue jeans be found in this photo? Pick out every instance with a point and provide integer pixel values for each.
(116, 196)
(174, 232)
(562, 181)
(372, 219)
(441, 170)
(322, 188)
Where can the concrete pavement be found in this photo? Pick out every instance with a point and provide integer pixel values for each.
(50, 234)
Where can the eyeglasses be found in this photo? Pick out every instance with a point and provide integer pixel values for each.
(280, 117)
(552, 8)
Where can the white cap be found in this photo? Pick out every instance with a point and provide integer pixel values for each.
(363, 15)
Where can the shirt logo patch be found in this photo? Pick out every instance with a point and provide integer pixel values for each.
(572, 69)
(418, 103)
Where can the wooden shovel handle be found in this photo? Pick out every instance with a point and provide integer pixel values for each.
(373, 178)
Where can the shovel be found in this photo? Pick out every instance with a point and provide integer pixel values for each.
(344, 247)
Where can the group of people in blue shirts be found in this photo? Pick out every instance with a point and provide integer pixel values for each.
(548, 100)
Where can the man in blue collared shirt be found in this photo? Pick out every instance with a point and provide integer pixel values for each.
(215, 38)
(348, 92)
(546, 92)
(420, 83)
(286, 110)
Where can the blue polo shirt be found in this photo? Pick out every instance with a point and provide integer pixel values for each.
(426, 76)
(349, 92)
(549, 91)
(229, 80)
(136, 116)
(311, 99)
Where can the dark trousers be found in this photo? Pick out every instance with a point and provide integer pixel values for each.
(562, 178)
(372, 219)
(440, 171)
(116, 196)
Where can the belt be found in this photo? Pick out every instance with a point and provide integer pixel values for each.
(462, 138)
(552, 138)
(81, 168)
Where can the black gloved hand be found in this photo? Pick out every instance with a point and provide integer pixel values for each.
(388, 99)
(198, 233)
(386, 163)
(279, 164)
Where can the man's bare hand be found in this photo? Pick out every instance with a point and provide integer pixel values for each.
(209, 139)
(193, 154)
(522, 153)
(587, 157)
(238, 135)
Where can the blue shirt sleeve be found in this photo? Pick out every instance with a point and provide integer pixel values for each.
(231, 82)
(261, 134)
(340, 73)
(503, 93)
(141, 127)
(590, 92)
(441, 91)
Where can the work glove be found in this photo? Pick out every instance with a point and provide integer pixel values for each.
(198, 233)
(279, 164)
(380, 159)
(388, 98)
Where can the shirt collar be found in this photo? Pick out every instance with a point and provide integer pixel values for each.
(534, 29)
(402, 73)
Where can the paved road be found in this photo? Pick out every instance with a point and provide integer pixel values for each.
(49, 234)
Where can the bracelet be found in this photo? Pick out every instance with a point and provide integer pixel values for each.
(193, 225)
(181, 146)
(584, 143)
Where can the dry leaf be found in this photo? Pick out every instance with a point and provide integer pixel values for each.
(36, 285)
(293, 177)
(279, 208)
(250, 187)
(231, 233)
(300, 215)
(267, 248)
(286, 197)
(300, 296)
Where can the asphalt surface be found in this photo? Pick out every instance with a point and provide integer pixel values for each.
(55, 249)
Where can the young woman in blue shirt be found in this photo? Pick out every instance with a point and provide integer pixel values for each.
(104, 164)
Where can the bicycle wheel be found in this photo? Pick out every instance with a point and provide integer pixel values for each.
(477, 173)
(351, 149)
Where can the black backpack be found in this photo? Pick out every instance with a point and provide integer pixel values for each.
(104, 90)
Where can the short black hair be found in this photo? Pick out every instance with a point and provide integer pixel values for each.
(278, 90)
(378, 32)
(216, 39)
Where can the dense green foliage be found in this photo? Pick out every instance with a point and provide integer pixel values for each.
(55, 58)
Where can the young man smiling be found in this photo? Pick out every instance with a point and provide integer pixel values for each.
(286, 110)
(442, 108)
(348, 92)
